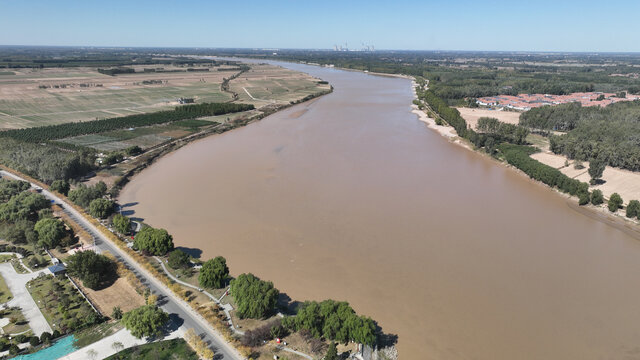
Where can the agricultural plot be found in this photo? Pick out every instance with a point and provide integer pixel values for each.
(268, 84)
(54, 96)
(144, 137)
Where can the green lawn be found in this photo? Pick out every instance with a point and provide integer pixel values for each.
(5, 293)
(60, 302)
(176, 349)
(90, 335)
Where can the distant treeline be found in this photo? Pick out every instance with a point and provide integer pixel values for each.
(116, 71)
(61, 131)
(611, 133)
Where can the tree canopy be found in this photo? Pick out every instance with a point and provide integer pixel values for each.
(61, 186)
(50, 232)
(178, 259)
(23, 206)
(101, 208)
(121, 223)
(93, 269)
(255, 298)
(147, 320)
(334, 320)
(615, 202)
(153, 241)
(214, 273)
(83, 195)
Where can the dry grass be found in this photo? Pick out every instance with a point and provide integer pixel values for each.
(121, 293)
(624, 182)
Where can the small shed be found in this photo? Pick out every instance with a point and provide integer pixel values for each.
(57, 269)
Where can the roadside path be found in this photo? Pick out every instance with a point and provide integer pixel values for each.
(227, 308)
(186, 316)
(17, 284)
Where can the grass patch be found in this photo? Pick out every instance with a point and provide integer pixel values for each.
(95, 333)
(193, 123)
(19, 325)
(7, 73)
(5, 293)
(60, 303)
(176, 349)
(6, 257)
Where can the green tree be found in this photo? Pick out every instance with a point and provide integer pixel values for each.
(583, 198)
(615, 202)
(147, 320)
(178, 259)
(255, 298)
(596, 197)
(332, 352)
(100, 208)
(153, 241)
(61, 186)
(116, 313)
(122, 224)
(596, 168)
(50, 232)
(633, 209)
(214, 273)
(93, 269)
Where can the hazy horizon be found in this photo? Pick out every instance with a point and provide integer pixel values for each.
(506, 26)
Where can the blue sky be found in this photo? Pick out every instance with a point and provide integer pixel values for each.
(418, 25)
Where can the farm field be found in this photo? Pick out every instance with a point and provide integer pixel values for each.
(37, 97)
(269, 84)
(30, 97)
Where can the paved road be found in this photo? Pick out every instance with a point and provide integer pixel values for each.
(17, 284)
(181, 313)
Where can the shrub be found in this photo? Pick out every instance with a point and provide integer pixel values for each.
(615, 202)
(633, 209)
(596, 197)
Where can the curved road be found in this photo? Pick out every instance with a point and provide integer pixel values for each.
(181, 313)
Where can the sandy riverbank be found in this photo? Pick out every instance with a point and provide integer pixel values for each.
(624, 182)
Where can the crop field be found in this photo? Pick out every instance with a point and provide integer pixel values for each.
(144, 136)
(37, 97)
(265, 84)
(53, 96)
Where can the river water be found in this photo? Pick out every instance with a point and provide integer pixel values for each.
(351, 197)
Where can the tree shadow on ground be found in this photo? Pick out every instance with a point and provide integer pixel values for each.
(193, 252)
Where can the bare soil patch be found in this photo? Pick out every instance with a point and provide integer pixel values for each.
(471, 115)
(120, 293)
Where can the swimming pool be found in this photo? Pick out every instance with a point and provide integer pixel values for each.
(58, 349)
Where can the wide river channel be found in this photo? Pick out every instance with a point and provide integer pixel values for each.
(351, 197)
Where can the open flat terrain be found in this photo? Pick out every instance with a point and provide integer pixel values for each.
(624, 182)
(471, 115)
(36, 97)
(268, 84)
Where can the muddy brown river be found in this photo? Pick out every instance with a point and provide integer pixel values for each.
(351, 197)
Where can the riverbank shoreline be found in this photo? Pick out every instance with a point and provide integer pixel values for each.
(597, 212)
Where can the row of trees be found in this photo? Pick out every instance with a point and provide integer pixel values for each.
(61, 131)
(501, 131)
(519, 156)
(450, 115)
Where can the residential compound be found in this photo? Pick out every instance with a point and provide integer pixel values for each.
(524, 102)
